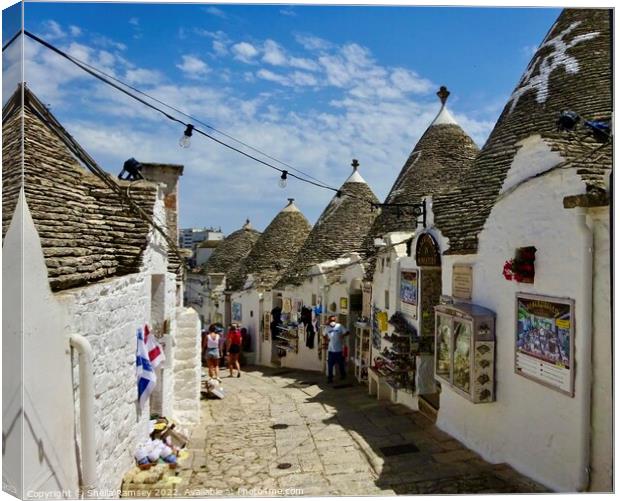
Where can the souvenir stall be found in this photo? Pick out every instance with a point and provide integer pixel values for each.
(406, 287)
(333, 288)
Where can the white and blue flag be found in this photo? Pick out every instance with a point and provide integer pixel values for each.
(144, 371)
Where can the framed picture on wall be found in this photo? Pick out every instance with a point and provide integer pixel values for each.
(545, 341)
(236, 312)
(409, 293)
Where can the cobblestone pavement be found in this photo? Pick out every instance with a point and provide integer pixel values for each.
(285, 432)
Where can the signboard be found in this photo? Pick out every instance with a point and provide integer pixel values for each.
(366, 300)
(409, 293)
(236, 312)
(462, 281)
(427, 251)
(266, 326)
(344, 304)
(544, 341)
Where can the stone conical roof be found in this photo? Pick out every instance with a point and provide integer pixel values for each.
(439, 161)
(227, 257)
(340, 229)
(87, 233)
(274, 250)
(571, 70)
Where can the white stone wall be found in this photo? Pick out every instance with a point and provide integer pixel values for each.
(535, 429)
(187, 367)
(107, 314)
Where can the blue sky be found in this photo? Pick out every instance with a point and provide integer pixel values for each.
(313, 86)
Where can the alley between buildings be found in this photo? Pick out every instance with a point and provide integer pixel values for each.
(286, 432)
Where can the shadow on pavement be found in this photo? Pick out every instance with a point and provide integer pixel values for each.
(406, 451)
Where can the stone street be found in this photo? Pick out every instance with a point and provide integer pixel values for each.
(286, 432)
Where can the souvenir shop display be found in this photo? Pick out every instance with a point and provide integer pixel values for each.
(362, 351)
(399, 357)
(465, 350)
(287, 339)
(164, 445)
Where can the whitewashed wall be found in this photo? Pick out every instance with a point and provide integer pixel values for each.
(533, 428)
(602, 356)
(47, 387)
(107, 314)
(187, 367)
(13, 257)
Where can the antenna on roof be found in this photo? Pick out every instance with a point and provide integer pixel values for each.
(443, 94)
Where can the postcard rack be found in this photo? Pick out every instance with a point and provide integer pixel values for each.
(287, 338)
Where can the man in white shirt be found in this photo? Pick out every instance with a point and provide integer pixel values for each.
(335, 334)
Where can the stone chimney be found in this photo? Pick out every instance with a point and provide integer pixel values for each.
(167, 174)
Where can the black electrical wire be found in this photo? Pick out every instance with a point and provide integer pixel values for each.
(167, 115)
(196, 120)
(13, 38)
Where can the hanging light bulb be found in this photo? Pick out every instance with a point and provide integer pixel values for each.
(282, 182)
(184, 142)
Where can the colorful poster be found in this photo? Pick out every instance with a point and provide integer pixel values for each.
(236, 312)
(344, 304)
(409, 293)
(544, 341)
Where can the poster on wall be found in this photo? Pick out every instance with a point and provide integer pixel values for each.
(544, 341)
(409, 293)
(344, 304)
(236, 312)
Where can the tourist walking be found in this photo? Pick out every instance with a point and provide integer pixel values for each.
(335, 334)
(211, 351)
(233, 345)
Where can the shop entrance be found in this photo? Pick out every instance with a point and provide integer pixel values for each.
(429, 261)
(274, 316)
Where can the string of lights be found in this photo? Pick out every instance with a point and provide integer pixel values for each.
(189, 128)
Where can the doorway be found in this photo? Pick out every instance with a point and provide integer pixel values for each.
(428, 259)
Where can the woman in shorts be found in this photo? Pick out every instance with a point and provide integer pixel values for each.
(233, 344)
(211, 349)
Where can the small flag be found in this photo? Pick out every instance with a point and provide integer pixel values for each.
(153, 348)
(144, 371)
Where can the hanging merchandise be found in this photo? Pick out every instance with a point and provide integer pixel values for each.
(306, 319)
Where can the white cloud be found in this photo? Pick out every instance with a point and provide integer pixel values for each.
(244, 51)
(193, 66)
(288, 12)
(134, 21)
(143, 76)
(273, 54)
(214, 11)
(219, 48)
(376, 114)
(53, 31)
(409, 81)
(75, 31)
(310, 42)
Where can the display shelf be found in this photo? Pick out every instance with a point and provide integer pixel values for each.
(361, 355)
